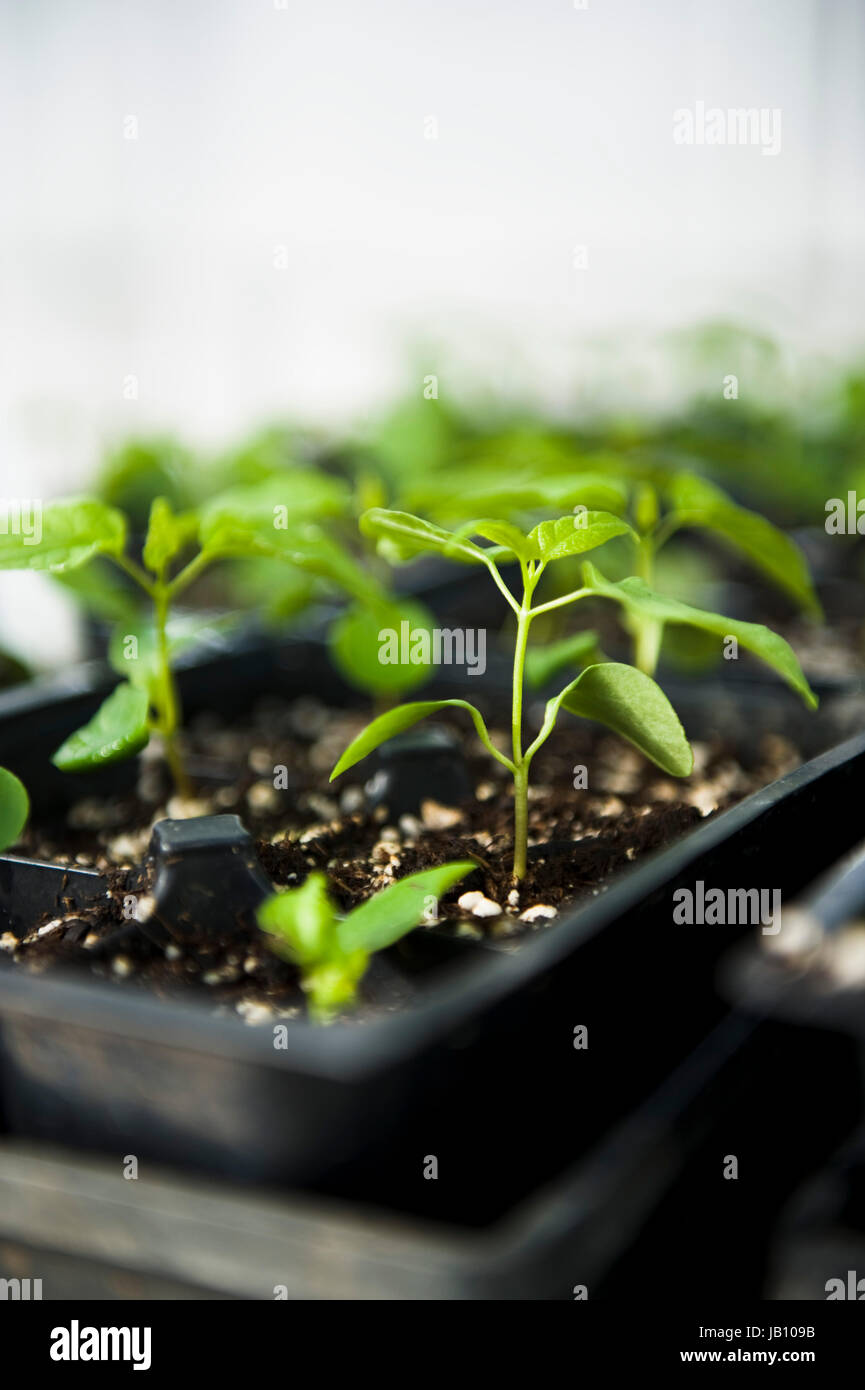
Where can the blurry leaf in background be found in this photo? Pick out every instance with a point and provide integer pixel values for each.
(277, 503)
(701, 504)
(141, 469)
(691, 651)
(70, 533)
(14, 808)
(102, 590)
(267, 453)
(355, 642)
(168, 533)
(415, 439)
(279, 591)
(544, 662)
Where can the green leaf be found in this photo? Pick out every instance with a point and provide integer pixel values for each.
(277, 590)
(633, 706)
(102, 590)
(14, 808)
(302, 922)
(62, 536)
(277, 503)
(405, 536)
(300, 543)
(472, 490)
(395, 721)
(505, 535)
(642, 602)
(355, 644)
(168, 533)
(117, 730)
(572, 535)
(387, 916)
(544, 662)
(700, 504)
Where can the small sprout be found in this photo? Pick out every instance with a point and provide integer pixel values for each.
(333, 953)
(623, 698)
(250, 523)
(14, 808)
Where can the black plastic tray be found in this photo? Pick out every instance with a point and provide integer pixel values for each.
(76, 1224)
(110, 1068)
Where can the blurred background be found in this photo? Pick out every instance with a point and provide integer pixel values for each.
(220, 215)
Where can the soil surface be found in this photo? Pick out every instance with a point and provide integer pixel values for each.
(273, 772)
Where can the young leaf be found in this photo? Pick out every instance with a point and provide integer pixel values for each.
(282, 500)
(302, 921)
(403, 717)
(542, 663)
(405, 536)
(489, 488)
(14, 808)
(572, 535)
(69, 534)
(355, 645)
(641, 601)
(505, 535)
(168, 533)
(632, 705)
(117, 730)
(701, 504)
(102, 590)
(302, 544)
(387, 916)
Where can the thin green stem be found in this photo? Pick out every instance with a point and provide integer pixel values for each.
(168, 704)
(493, 569)
(648, 632)
(561, 602)
(135, 572)
(187, 574)
(521, 764)
(521, 821)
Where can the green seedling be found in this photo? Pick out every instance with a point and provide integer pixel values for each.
(623, 698)
(178, 547)
(331, 952)
(14, 808)
(659, 503)
(259, 473)
(682, 501)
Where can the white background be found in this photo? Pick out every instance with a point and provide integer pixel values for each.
(303, 128)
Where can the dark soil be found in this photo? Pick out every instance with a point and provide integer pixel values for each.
(579, 839)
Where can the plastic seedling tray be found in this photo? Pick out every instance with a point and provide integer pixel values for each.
(67, 1218)
(486, 1043)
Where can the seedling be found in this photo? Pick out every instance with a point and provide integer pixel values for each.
(177, 548)
(14, 808)
(659, 501)
(623, 698)
(333, 953)
(694, 503)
